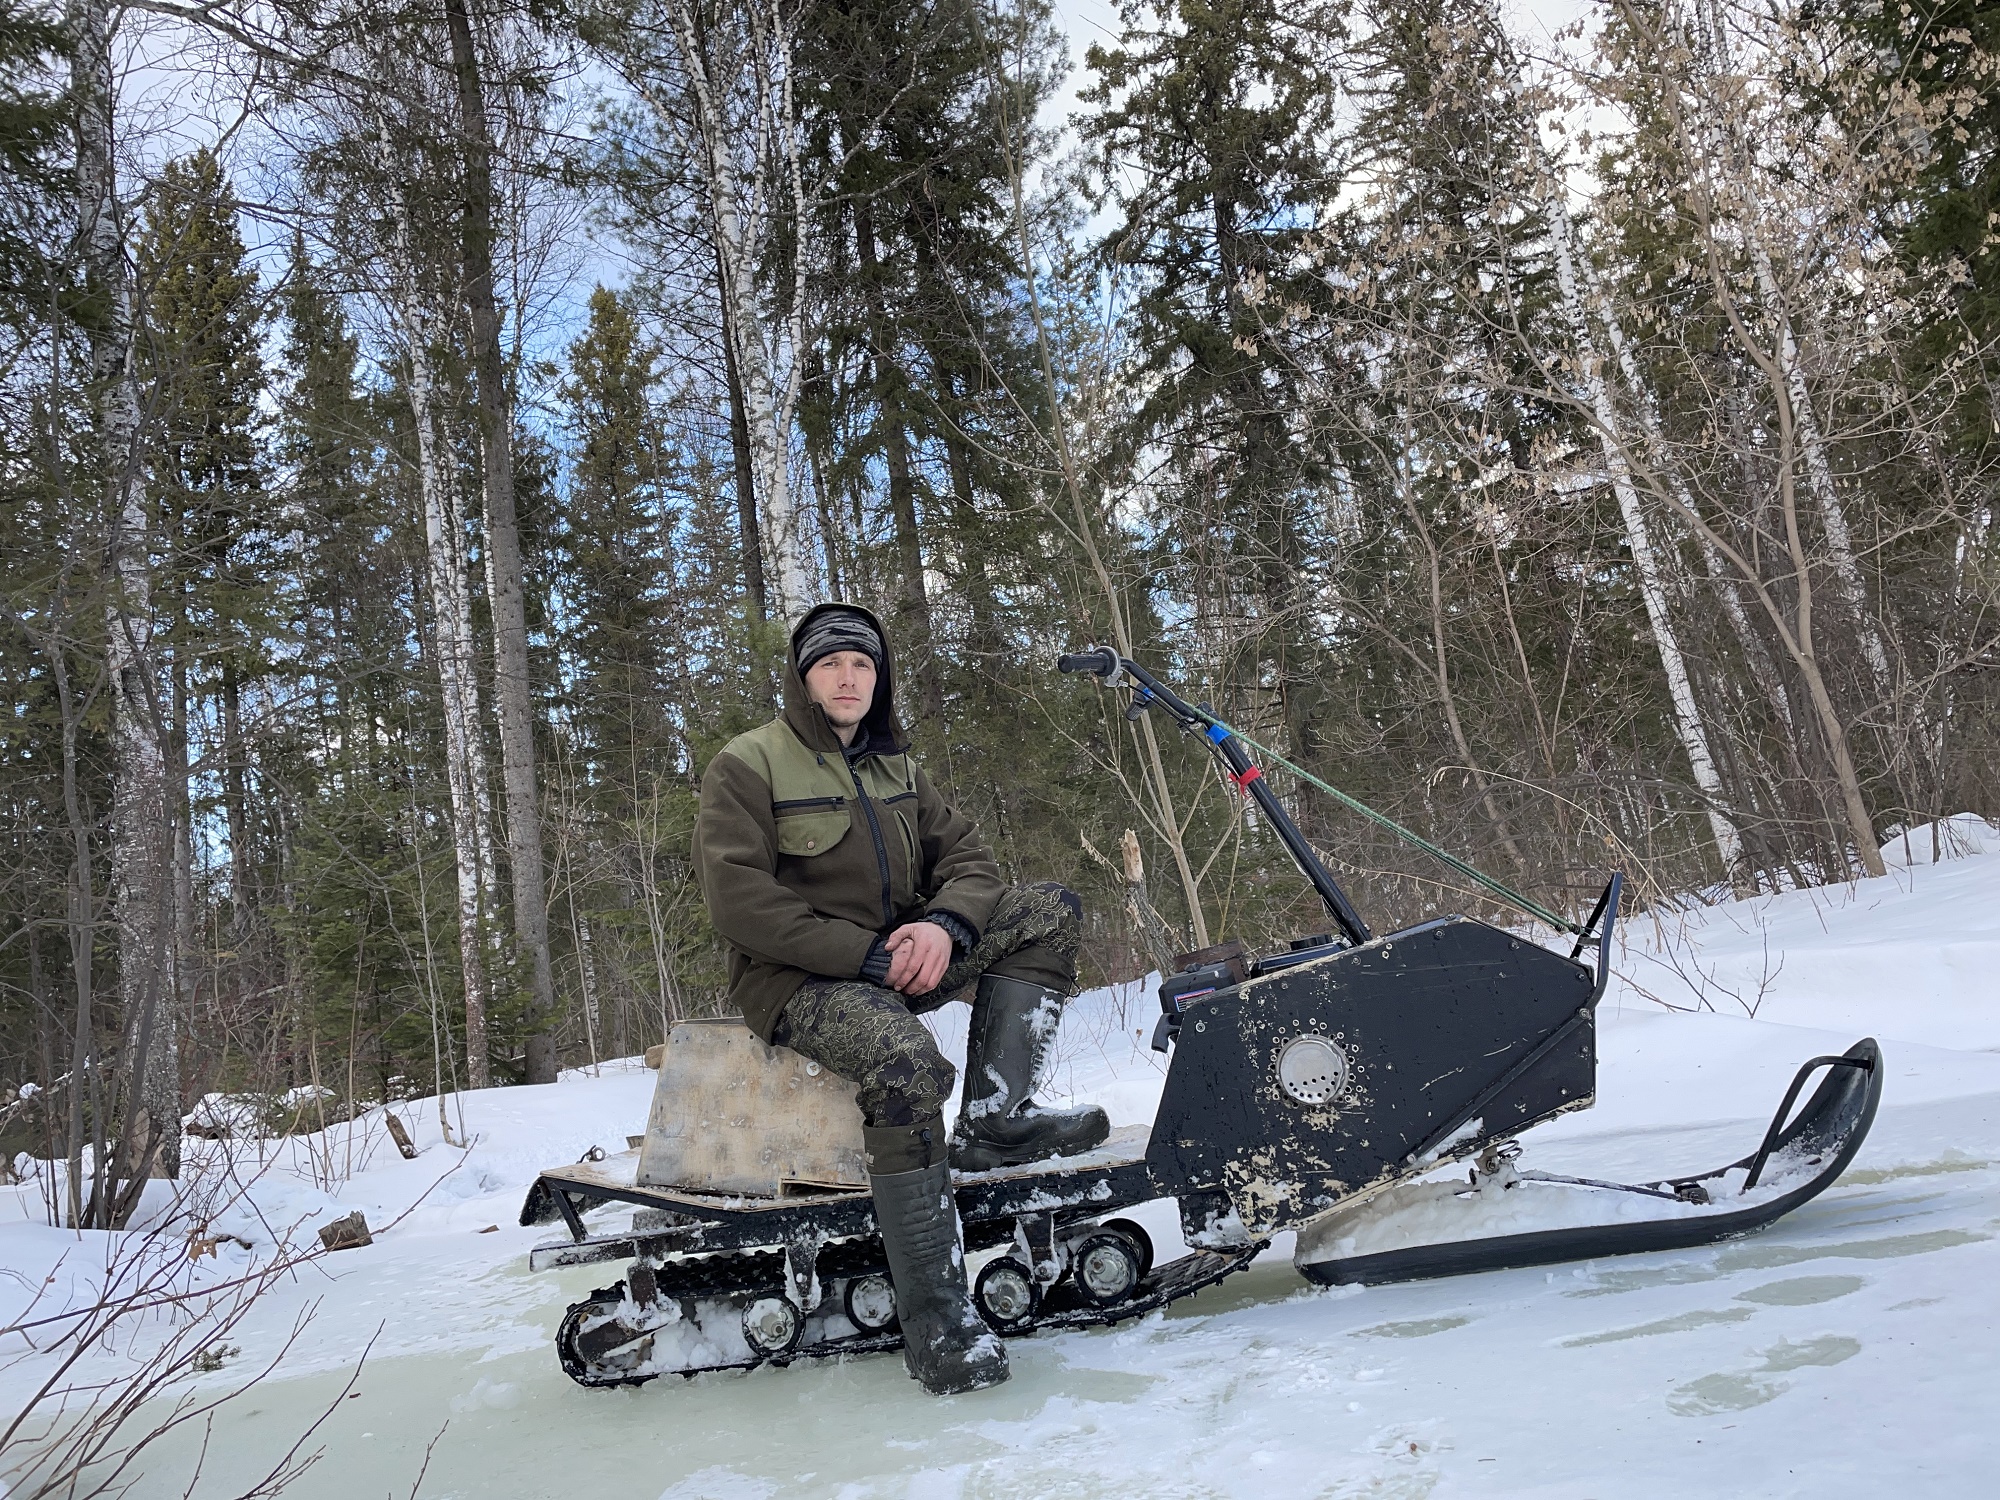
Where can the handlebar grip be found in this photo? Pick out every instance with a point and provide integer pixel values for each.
(1101, 662)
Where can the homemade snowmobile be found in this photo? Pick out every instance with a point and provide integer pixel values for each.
(1302, 1087)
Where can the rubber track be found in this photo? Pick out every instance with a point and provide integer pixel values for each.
(1063, 1309)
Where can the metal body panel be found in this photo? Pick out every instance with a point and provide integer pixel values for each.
(1453, 1033)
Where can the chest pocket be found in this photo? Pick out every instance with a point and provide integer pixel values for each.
(810, 826)
(903, 807)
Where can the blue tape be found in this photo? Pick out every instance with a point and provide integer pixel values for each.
(1217, 734)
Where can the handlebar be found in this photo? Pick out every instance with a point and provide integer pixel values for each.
(1148, 691)
(1099, 661)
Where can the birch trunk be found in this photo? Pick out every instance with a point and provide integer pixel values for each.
(741, 213)
(1688, 725)
(453, 647)
(512, 692)
(1762, 668)
(749, 534)
(141, 859)
(1838, 538)
(1796, 634)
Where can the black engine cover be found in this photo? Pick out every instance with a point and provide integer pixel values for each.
(1425, 1026)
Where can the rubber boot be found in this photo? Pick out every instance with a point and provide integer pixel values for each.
(1006, 1048)
(947, 1346)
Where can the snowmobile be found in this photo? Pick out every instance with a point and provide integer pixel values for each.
(1302, 1087)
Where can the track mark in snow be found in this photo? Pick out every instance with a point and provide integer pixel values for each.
(1684, 1322)
(1802, 1291)
(1951, 1161)
(1610, 1283)
(1416, 1328)
(1719, 1393)
(1712, 1394)
(1768, 1257)
(1829, 1349)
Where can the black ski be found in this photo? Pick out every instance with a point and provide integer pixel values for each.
(1823, 1139)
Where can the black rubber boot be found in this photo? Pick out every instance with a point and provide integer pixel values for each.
(947, 1346)
(999, 1125)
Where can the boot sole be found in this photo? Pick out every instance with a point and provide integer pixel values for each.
(985, 1158)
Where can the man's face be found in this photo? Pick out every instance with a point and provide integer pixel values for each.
(842, 683)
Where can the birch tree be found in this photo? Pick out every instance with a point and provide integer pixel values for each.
(718, 81)
(1724, 131)
(141, 861)
(1688, 726)
(453, 645)
(1715, 186)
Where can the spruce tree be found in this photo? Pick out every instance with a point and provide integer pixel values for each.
(1212, 143)
(618, 556)
(200, 340)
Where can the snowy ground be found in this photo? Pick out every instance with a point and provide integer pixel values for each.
(1847, 1349)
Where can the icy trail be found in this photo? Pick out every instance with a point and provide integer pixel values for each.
(1847, 1350)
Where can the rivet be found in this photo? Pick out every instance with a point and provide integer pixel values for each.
(812, 843)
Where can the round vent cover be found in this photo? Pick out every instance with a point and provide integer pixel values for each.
(1312, 1070)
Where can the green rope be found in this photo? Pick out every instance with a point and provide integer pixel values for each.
(1499, 888)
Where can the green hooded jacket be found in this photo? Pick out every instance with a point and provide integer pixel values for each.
(807, 853)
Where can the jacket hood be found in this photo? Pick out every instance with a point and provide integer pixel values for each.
(881, 732)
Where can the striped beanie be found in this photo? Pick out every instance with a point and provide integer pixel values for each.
(839, 629)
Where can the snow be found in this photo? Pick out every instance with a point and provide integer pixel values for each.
(1843, 1351)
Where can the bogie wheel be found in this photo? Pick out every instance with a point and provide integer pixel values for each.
(1106, 1267)
(772, 1325)
(1141, 1241)
(870, 1303)
(1007, 1293)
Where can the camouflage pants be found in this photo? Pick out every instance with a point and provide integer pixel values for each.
(870, 1034)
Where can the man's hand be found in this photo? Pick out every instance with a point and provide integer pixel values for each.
(919, 953)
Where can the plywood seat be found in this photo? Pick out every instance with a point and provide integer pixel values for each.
(735, 1115)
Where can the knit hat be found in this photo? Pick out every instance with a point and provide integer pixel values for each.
(839, 629)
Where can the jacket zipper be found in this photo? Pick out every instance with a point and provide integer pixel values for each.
(881, 849)
(797, 804)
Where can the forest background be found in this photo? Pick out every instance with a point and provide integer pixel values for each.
(1580, 447)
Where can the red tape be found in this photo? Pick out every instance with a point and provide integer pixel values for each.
(1250, 774)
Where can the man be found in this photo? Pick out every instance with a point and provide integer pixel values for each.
(854, 898)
